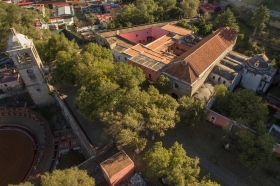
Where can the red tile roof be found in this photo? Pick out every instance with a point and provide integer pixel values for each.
(176, 29)
(190, 65)
(116, 163)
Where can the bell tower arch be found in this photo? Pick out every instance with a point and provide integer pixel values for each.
(30, 67)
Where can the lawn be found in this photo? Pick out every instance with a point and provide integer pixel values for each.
(244, 29)
(272, 4)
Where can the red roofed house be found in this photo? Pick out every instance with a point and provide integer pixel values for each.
(117, 168)
(149, 47)
(189, 71)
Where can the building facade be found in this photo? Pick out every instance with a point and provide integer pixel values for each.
(29, 65)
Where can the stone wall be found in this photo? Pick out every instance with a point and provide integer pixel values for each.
(86, 147)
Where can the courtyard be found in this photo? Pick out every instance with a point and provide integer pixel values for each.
(204, 143)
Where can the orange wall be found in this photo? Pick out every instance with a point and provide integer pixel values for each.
(220, 120)
(146, 71)
(142, 35)
(122, 175)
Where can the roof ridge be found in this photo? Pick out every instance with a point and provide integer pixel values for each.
(215, 35)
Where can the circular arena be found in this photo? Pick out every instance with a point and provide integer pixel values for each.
(26, 143)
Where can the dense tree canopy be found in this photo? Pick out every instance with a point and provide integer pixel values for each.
(243, 105)
(204, 27)
(22, 19)
(175, 165)
(149, 11)
(190, 8)
(111, 92)
(256, 150)
(57, 43)
(183, 23)
(66, 177)
(250, 110)
(192, 111)
(226, 19)
(163, 84)
(259, 18)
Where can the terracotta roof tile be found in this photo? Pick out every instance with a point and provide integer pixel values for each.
(203, 54)
(116, 163)
(182, 71)
(176, 29)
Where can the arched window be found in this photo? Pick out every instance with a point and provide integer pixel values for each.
(19, 59)
(35, 52)
(219, 79)
(27, 57)
(213, 78)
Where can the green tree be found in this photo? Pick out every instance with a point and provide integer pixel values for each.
(91, 18)
(190, 8)
(246, 105)
(20, 18)
(72, 176)
(98, 51)
(226, 19)
(204, 27)
(63, 71)
(174, 163)
(256, 150)
(57, 43)
(167, 4)
(221, 95)
(183, 23)
(22, 184)
(192, 111)
(259, 18)
(175, 13)
(163, 84)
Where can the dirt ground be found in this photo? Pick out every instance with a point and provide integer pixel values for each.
(16, 156)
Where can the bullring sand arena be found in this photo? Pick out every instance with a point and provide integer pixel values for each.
(16, 156)
(26, 146)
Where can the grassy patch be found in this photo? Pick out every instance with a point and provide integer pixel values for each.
(244, 29)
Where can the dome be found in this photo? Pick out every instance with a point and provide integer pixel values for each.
(17, 41)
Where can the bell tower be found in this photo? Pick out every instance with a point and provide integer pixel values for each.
(30, 67)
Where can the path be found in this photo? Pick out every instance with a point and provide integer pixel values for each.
(223, 3)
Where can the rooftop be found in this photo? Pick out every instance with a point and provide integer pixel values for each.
(116, 163)
(190, 65)
(176, 29)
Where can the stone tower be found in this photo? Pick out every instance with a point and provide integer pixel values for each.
(29, 65)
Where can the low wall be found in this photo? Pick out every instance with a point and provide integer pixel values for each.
(86, 147)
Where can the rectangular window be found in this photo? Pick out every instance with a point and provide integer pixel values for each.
(5, 85)
(212, 119)
(176, 85)
(136, 35)
(150, 76)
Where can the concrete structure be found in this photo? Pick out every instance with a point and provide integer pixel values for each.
(9, 79)
(258, 73)
(85, 145)
(275, 131)
(28, 63)
(117, 168)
